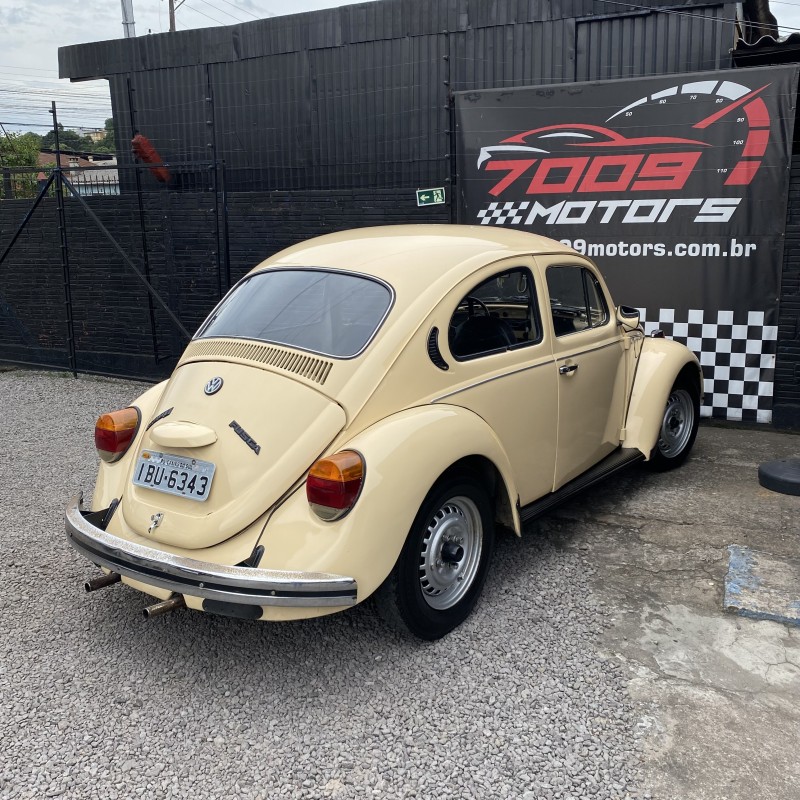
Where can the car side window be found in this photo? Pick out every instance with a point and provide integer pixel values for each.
(576, 299)
(497, 315)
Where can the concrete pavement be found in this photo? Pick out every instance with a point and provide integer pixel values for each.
(717, 695)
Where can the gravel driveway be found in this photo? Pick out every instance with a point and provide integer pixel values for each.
(97, 702)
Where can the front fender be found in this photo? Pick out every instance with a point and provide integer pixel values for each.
(111, 477)
(659, 364)
(404, 455)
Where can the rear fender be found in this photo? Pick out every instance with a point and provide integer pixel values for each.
(111, 477)
(404, 456)
(659, 364)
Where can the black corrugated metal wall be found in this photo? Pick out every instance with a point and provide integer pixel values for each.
(786, 403)
(357, 96)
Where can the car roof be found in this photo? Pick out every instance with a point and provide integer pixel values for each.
(414, 256)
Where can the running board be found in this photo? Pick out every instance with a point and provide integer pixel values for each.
(620, 458)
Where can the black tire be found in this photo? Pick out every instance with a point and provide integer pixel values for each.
(678, 426)
(424, 593)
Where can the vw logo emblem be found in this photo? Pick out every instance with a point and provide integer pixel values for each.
(213, 386)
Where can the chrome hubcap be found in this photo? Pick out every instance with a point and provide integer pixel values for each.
(451, 553)
(677, 425)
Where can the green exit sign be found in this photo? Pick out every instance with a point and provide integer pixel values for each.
(430, 197)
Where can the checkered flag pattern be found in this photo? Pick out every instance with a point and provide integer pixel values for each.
(500, 213)
(737, 353)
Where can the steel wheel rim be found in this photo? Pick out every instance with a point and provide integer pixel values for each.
(444, 579)
(676, 427)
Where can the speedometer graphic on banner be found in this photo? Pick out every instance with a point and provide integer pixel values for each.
(710, 102)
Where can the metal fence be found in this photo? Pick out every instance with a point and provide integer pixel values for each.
(110, 274)
(25, 183)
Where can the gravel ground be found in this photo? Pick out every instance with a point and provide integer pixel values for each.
(97, 702)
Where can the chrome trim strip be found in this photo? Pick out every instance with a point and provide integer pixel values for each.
(261, 587)
(555, 360)
(550, 362)
(561, 357)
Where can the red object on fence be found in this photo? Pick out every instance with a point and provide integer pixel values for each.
(143, 150)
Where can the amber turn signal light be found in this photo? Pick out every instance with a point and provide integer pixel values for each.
(114, 433)
(334, 483)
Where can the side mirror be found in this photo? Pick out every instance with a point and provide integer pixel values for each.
(628, 317)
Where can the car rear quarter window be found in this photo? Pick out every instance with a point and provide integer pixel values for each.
(497, 315)
(326, 312)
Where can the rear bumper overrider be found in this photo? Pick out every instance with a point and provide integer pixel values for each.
(234, 584)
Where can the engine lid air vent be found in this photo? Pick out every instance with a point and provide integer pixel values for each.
(307, 366)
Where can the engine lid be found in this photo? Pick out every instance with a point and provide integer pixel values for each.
(260, 430)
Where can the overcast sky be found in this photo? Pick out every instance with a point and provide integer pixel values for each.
(31, 31)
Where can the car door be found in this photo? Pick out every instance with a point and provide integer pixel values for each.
(503, 368)
(589, 354)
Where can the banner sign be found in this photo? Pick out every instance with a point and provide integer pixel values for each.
(676, 186)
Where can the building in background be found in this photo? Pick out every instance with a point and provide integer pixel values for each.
(92, 174)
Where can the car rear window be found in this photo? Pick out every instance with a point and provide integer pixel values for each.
(330, 313)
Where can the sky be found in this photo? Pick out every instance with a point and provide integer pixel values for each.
(31, 31)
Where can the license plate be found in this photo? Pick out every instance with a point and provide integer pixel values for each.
(186, 477)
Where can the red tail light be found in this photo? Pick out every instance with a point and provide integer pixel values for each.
(114, 432)
(334, 483)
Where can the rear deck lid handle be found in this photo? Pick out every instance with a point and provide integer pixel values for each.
(182, 434)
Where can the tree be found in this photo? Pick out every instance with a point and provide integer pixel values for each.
(18, 150)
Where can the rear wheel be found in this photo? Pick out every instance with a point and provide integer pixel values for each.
(678, 427)
(443, 565)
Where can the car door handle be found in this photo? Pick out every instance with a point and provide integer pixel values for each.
(567, 369)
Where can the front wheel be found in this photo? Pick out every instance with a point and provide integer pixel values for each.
(443, 565)
(678, 427)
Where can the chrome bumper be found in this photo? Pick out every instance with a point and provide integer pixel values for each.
(246, 585)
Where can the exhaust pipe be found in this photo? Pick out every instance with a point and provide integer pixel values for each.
(101, 581)
(164, 607)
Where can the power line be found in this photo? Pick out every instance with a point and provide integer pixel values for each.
(203, 14)
(34, 69)
(233, 5)
(675, 12)
(62, 89)
(60, 84)
(222, 11)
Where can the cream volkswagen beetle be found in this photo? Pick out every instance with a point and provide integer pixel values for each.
(360, 413)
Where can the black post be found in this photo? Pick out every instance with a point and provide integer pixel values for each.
(62, 227)
(142, 229)
(8, 189)
(214, 167)
(218, 240)
(452, 178)
(225, 227)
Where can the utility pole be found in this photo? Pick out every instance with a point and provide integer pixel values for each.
(127, 19)
(173, 6)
